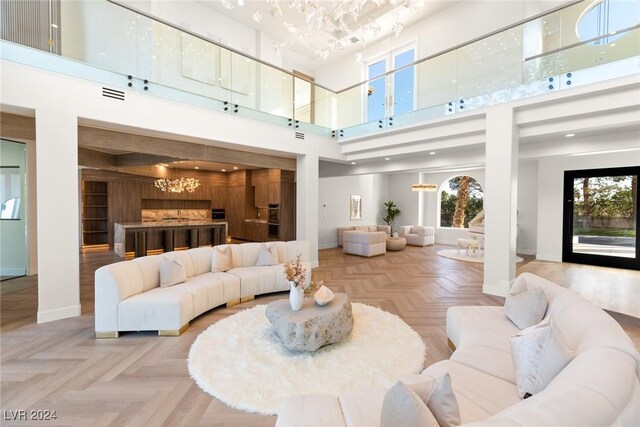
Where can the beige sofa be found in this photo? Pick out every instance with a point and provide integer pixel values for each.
(418, 235)
(365, 243)
(598, 387)
(369, 228)
(128, 295)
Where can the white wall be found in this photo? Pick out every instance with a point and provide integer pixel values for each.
(550, 194)
(334, 197)
(406, 200)
(527, 207)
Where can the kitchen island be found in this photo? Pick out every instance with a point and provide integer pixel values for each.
(138, 238)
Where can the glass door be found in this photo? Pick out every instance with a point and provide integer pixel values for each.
(394, 93)
(13, 221)
(601, 218)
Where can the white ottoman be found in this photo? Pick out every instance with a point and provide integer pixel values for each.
(471, 245)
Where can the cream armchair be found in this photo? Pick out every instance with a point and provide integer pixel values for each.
(418, 235)
(365, 243)
(369, 228)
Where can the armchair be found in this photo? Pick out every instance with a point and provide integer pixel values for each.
(418, 235)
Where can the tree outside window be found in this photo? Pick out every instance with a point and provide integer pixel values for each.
(461, 199)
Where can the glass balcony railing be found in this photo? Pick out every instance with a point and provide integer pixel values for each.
(114, 45)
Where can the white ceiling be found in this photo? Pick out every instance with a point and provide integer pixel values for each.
(307, 41)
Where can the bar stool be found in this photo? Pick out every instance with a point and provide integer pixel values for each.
(193, 238)
(140, 243)
(167, 240)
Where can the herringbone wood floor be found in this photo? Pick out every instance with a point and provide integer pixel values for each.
(142, 379)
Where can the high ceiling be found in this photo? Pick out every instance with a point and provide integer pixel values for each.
(326, 30)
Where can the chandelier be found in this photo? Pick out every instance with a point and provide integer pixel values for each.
(424, 187)
(347, 22)
(177, 185)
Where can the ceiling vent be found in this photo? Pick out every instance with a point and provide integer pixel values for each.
(113, 93)
(299, 135)
(354, 40)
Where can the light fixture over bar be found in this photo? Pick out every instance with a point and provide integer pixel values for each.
(177, 185)
(424, 187)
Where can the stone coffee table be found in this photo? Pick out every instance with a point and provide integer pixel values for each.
(314, 325)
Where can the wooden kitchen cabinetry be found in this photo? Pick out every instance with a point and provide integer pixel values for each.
(95, 213)
(262, 196)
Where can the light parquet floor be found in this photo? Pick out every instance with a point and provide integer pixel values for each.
(141, 379)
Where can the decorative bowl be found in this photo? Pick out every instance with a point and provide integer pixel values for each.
(324, 296)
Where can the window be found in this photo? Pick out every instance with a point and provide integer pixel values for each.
(390, 94)
(607, 17)
(461, 199)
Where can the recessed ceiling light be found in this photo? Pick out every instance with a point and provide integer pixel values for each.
(235, 168)
(570, 135)
(196, 167)
(224, 170)
(353, 163)
(387, 158)
(432, 153)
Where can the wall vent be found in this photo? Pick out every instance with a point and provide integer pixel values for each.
(299, 135)
(113, 93)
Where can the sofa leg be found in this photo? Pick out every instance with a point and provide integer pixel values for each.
(109, 334)
(247, 298)
(233, 302)
(173, 332)
(452, 346)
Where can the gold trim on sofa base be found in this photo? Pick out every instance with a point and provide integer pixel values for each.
(452, 346)
(110, 334)
(173, 332)
(233, 302)
(247, 298)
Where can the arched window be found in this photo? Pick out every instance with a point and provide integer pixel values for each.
(461, 198)
(607, 17)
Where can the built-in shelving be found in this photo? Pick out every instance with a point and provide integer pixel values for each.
(95, 211)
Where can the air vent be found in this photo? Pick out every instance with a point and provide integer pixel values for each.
(299, 135)
(354, 40)
(113, 93)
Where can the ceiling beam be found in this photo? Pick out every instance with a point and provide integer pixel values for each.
(108, 139)
(96, 159)
(140, 159)
(17, 128)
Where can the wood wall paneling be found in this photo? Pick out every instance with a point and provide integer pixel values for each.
(17, 128)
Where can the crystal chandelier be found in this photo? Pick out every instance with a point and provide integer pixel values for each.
(177, 185)
(343, 20)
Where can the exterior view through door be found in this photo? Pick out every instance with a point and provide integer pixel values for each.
(601, 217)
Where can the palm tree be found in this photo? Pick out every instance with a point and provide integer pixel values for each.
(461, 203)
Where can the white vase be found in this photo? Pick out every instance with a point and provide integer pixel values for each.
(296, 296)
(395, 235)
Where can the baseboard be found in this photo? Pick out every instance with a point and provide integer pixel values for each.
(525, 251)
(328, 246)
(58, 313)
(546, 257)
(13, 272)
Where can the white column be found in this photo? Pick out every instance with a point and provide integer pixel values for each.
(307, 202)
(57, 216)
(500, 200)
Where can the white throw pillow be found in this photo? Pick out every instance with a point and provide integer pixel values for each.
(267, 255)
(221, 258)
(539, 353)
(171, 273)
(403, 407)
(525, 307)
(438, 395)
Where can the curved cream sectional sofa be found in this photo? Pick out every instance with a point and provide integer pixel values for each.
(128, 296)
(598, 387)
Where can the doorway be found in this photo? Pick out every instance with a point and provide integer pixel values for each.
(393, 93)
(601, 217)
(13, 220)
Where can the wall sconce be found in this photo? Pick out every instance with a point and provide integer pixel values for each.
(424, 187)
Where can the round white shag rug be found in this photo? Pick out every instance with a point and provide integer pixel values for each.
(462, 256)
(242, 362)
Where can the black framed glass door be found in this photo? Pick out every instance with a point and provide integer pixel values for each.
(601, 217)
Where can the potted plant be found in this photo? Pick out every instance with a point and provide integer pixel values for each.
(392, 212)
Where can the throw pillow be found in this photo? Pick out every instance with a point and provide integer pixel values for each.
(525, 307)
(403, 407)
(171, 273)
(539, 353)
(221, 258)
(439, 397)
(267, 255)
